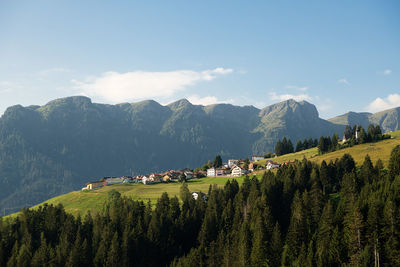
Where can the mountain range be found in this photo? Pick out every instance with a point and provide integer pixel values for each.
(56, 148)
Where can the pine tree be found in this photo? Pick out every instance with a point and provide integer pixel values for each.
(290, 148)
(353, 226)
(335, 142)
(258, 249)
(391, 234)
(299, 146)
(297, 232)
(394, 162)
(113, 256)
(41, 257)
(367, 171)
(279, 148)
(12, 261)
(374, 229)
(244, 246)
(324, 235)
(276, 246)
(24, 256)
(217, 161)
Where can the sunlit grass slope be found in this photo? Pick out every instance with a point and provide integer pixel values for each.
(80, 202)
(379, 150)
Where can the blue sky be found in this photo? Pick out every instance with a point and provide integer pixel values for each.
(339, 55)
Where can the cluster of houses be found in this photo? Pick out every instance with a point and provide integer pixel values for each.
(234, 168)
(171, 175)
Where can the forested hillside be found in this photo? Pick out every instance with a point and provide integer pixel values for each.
(304, 215)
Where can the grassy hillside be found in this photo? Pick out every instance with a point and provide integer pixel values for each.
(80, 202)
(379, 150)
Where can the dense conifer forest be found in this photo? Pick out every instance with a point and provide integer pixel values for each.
(333, 214)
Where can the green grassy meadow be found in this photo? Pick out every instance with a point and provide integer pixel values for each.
(80, 202)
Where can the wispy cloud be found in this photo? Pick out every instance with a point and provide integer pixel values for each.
(344, 81)
(54, 70)
(387, 72)
(121, 87)
(207, 100)
(379, 104)
(7, 87)
(300, 88)
(283, 97)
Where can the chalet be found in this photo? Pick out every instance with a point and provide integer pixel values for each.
(232, 162)
(211, 172)
(93, 185)
(167, 177)
(216, 172)
(219, 172)
(188, 174)
(138, 178)
(145, 180)
(155, 178)
(257, 157)
(272, 165)
(238, 171)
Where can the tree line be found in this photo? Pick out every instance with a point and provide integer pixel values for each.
(304, 215)
(352, 136)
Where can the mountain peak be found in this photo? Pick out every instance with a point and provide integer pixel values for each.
(291, 106)
(181, 103)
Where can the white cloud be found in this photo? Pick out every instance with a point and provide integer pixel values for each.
(304, 88)
(379, 104)
(387, 72)
(121, 87)
(343, 80)
(207, 100)
(283, 97)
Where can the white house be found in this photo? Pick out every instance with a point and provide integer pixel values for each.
(211, 172)
(93, 185)
(272, 165)
(155, 178)
(145, 179)
(195, 195)
(232, 162)
(238, 171)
